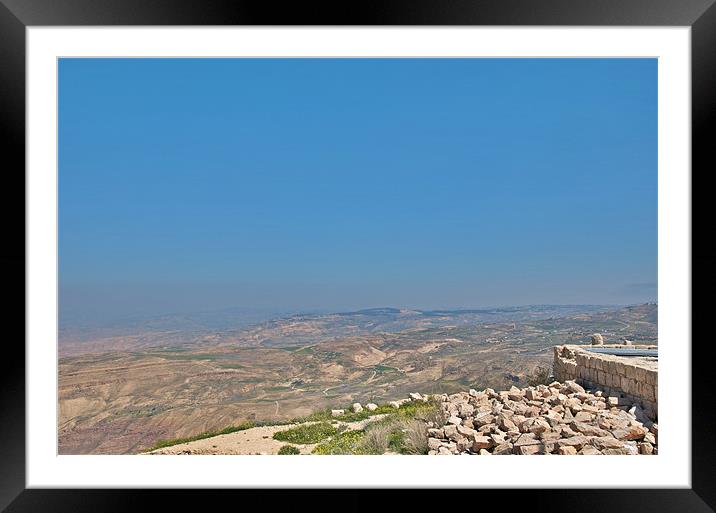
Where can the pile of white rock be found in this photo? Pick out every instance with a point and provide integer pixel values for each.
(356, 408)
(413, 397)
(559, 418)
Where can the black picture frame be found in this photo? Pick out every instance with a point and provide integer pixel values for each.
(16, 15)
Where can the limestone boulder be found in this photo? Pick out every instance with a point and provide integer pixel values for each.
(481, 442)
(455, 420)
(436, 433)
(566, 449)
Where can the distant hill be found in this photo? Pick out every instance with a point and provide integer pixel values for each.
(184, 330)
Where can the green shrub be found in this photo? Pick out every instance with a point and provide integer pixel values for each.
(427, 412)
(377, 437)
(175, 441)
(396, 439)
(347, 442)
(415, 438)
(307, 434)
(289, 449)
(397, 434)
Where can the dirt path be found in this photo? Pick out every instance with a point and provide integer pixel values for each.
(258, 440)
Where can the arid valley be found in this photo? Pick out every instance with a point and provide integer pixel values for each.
(121, 393)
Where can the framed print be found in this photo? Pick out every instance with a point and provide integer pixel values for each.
(367, 240)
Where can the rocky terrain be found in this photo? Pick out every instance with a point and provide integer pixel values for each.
(559, 418)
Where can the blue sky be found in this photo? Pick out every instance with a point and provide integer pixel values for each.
(194, 184)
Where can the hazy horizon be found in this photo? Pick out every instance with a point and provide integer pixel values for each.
(238, 317)
(196, 185)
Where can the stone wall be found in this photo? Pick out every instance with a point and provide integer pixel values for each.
(632, 378)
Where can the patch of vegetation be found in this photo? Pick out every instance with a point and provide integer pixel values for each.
(233, 366)
(540, 376)
(464, 381)
(413, 438)
(348, 442)
(397, 434)
(175, 441)
(418, 409)
(289, 449)
(429, 412)
(395, 439)
(402, 431)
(377, 438)
(277, 388)
(172, 349)
(306, 434)
(384, 368)
(174, 355)
(348, 416)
